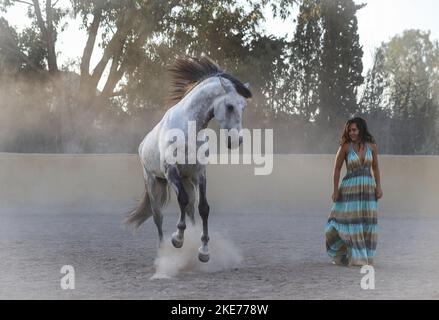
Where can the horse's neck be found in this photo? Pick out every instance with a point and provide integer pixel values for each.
(198, 104)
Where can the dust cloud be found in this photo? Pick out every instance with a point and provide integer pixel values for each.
(171, 261)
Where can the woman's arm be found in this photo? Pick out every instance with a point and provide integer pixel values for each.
(376, 171)
(339, 158)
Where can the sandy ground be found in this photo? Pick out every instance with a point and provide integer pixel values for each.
(253, 256)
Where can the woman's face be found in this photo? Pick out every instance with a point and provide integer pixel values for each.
(354, 133)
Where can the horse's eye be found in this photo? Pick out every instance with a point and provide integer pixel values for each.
(229, 108)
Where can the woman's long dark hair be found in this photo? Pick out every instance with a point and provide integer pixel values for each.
(365, 135)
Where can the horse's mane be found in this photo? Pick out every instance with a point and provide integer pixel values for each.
(187, 72)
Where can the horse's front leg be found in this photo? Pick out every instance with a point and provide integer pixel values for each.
(175, 179)
(203, 208)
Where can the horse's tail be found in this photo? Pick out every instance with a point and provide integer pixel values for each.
(142, 213)
(162, 191)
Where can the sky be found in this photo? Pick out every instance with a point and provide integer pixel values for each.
(377, 22)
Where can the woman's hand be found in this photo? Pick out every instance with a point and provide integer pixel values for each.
(335, 195)
(378, 193)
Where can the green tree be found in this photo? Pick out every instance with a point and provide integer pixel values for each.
(305, 60)
(10, 62)
(373, 100)
(342, 65)
(372, 97)
(226, 31)
(138, 40)
(411, 67)
(46, 22)
(401, 94)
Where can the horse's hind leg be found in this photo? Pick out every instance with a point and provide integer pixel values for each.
(203, 208)
(191, 189)
(174, 178)
(157, 189)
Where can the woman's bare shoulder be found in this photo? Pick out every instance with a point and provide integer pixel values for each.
(373, 145)
(344, 147)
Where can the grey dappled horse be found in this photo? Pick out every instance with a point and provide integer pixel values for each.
(201, 92)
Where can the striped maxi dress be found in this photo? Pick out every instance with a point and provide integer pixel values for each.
(351, 230)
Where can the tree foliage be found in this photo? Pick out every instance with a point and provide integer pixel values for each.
(304, 88)
(403, 87)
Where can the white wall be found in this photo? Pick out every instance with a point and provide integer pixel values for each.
(298, 184)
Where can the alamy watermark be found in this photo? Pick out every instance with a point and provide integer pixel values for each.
(191, 147)
(68, 280)
(368, 281)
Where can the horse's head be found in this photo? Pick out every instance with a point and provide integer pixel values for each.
(229, 95)
(229, 107)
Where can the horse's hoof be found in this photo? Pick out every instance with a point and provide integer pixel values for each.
(176, 241)
(203, 256)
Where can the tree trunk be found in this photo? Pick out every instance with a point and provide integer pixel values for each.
(48, 34)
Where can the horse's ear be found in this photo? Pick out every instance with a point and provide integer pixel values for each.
(247, 86)
(224, 84)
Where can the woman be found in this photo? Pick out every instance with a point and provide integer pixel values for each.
(351, 231)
